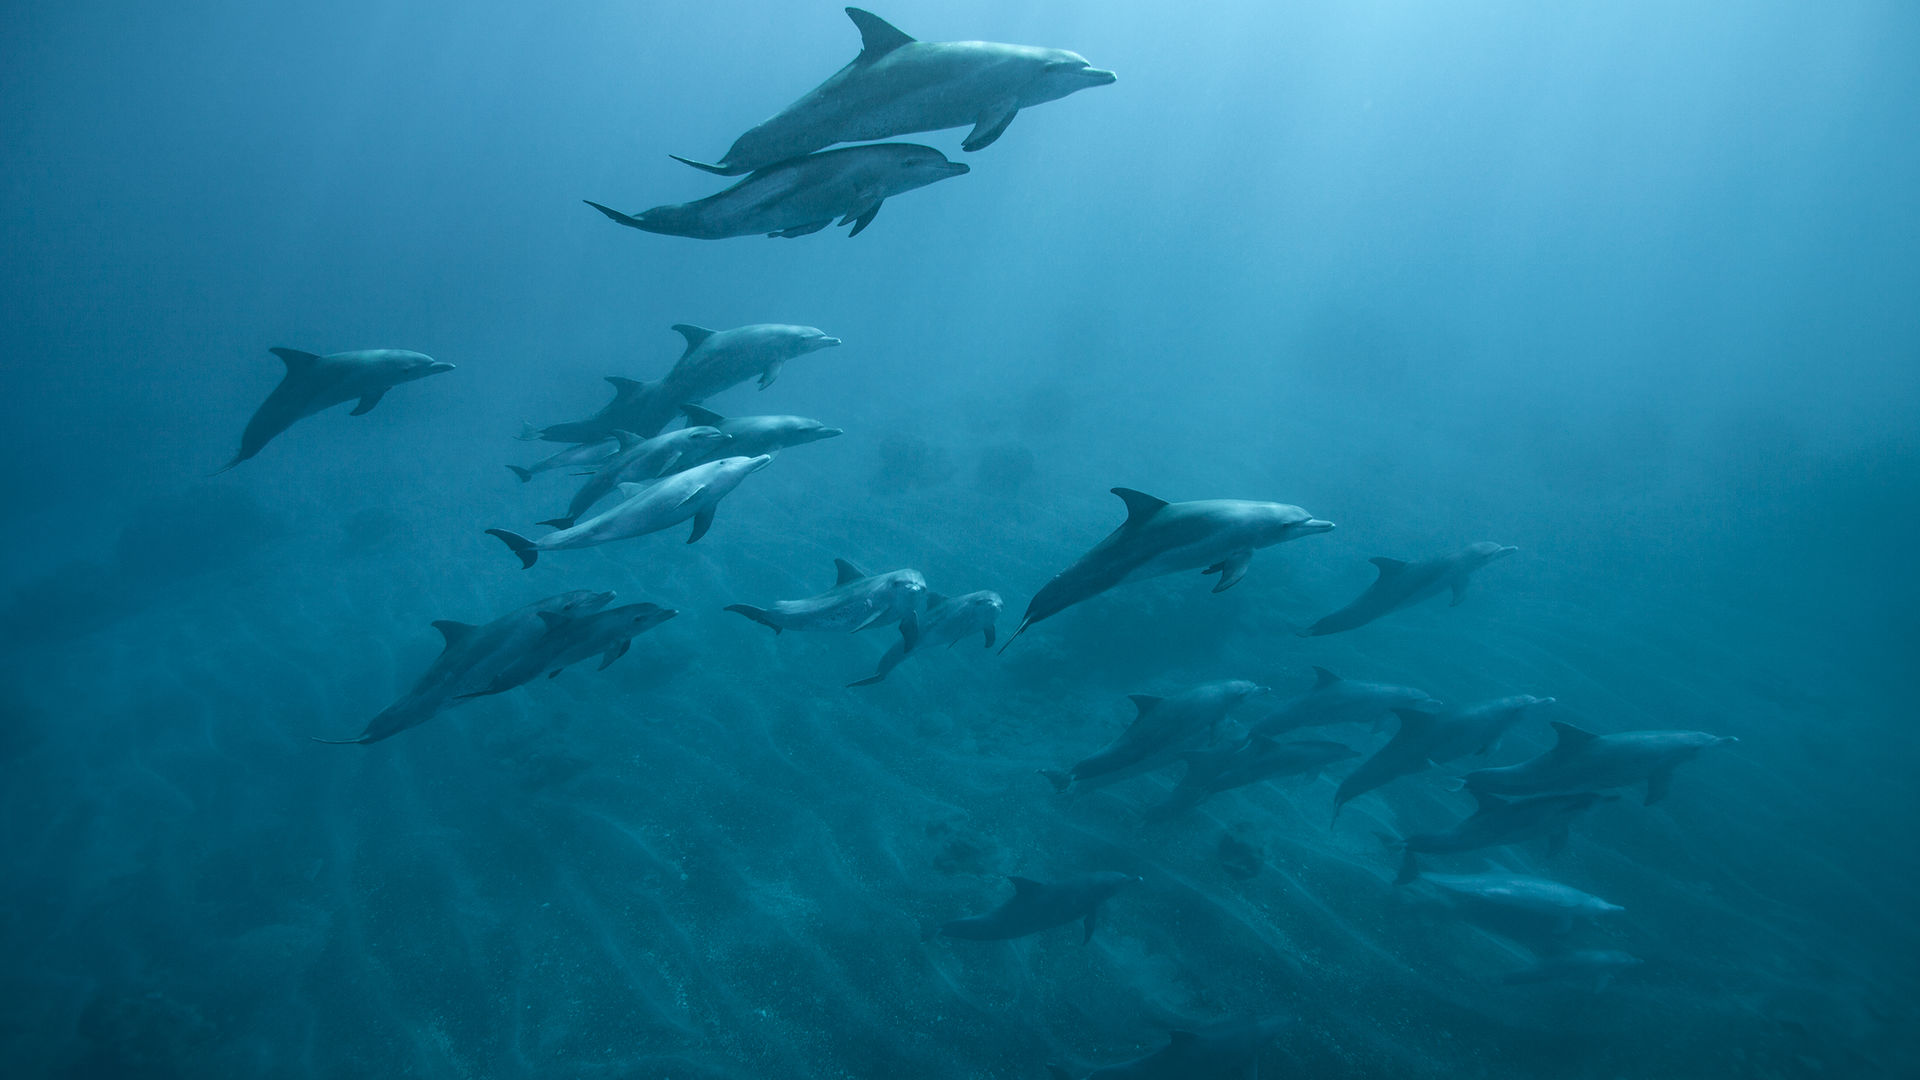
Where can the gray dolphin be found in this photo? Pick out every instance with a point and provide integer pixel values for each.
(1258, 758)
(1037, 906)
(900, 86)
(1229, 1051)
(314, 383)
(1334, 700)
(761, 434)
(1594, 966)
(801, 196)
(640, 460)
(1402, 584)
(945, 621)
(578, 456)
(1429, 737)
(1583, 761)
(632, 403)
(1214, 536)
(647, 508)
(1498, 821)
(857, 601)
(607, 633)
(473, 657)
(1535, 897)
(1162, 730)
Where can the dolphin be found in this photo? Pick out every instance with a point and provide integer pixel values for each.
(474, 657)
(1162, 730)
(899, 86)
(607, 634)
(1535, 897)
(1334, 700)
(315, 383)
(857, 601)
(1214, 536)
(801, 196)
(1229, 1051)
(761, 434)
(1036, 906)
(639, 460)
(1498, 821)
(1435, 737)
(945, 621)
(647, 508)
(1598, 965)
(579, 456)
(1583, 761)
(628, 411)
(1212, 771)
(715, 360)
(1403, 584)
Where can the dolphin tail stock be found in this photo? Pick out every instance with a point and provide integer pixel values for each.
(1015, 636)
(1060, 780)
(519, 545)
(717, 170)
(525, 475)
(759, 615)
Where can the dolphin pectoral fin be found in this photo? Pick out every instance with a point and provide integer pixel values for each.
(771, 373)
(991, 124)
(878, 614)
(808, 229)
(717, 170)
(1231, 569)
(989, 637)
(910, 630)
(865, 219)
(1459, 592)
(613, 653)
(702, 521)
(1658, 784)
(367, 403)
(1092, 917)
(1557, 841)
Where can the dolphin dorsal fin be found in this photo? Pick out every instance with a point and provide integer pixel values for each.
(1323, 677)
(699, 417)
(878, 37)
(627, 439)
(295, 359)
(1570, 737)
(1143, 702)
(1140, 505)
(844, 571)
(1414, 720)
(1388, 567)
(454, 632)
(694, 335)
(624, 385)
(1022, 886)
(554, 619)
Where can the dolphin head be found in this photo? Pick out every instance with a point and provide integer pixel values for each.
(644, 617)
(1487, 551)
(1061, 73)
(813, 339)
(813, 431)
(407, 365)
(907, 587)
(1236, 691)
(917, 166)
(1281, 522)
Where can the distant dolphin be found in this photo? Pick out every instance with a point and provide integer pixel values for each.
(640, 460)
(1429, 737)
(1037, 906)
(899, 86)
(1402, 584)
(645, 509)
(1162, 730)
(1583, 761)
(857, 601)
(1536, 897)
(313, 383)
(1229, 1051)
(473, 658)
(1258, 758)
(1215, 536)
(1334, 700)
(945, 621)
(801, 196)
(580, 455)
(606, 633)
(1499, 821)
(761, 434)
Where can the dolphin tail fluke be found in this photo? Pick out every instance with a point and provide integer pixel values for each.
(1015, 636)
(758, 615)
(519, 545)
(237, 459)
(559, 522)
(1409, 869)
(717, 170)
(524, 474)
(869, 680)
(529, 433)
(624, 219)
(1060, 780)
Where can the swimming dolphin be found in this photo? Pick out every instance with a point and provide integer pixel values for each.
(857, 601)
(314, 383)
(1498, 821)
(1535, 897)
(640, 460)
(1212, 771)
(1214, 536)
(1583, 761)
(715, 360)
(1229, 1051)
(1402, 584)
(628, 411)
(1430, 737)
(1162, 730)
(945, 621)
(761, 434)
(579, 456)
(647, 508)
(606, 633)
(899, 86)
(1580, 965)
(473, 657)
(1334, 700)
(801, 196)
(1036, 906)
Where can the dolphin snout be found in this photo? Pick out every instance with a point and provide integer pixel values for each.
(830, 432)
(758, 463)
(1315, 525)
(1098, 76)
(438, 366)
(957, 168)
(827, 342)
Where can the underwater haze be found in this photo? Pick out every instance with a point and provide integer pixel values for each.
(1628, 287)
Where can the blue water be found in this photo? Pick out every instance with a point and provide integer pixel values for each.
(1628, 286)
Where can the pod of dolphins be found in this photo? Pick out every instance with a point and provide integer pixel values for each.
(645, 479)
